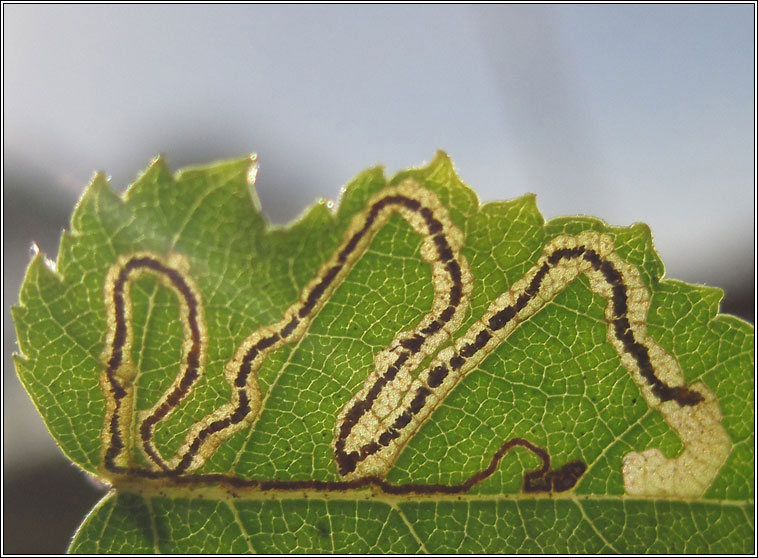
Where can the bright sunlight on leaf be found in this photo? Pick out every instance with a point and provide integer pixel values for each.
(412, 372)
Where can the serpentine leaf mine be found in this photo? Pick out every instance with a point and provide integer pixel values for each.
(191, 364)
(378, 421)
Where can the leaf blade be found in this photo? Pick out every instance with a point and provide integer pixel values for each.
(555, 381)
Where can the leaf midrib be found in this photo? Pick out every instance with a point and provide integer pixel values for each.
(147, 489)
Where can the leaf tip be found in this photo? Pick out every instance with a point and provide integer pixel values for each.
(442, 162)
(529, 200)
(157, 169)
(39, 258)
(99, 180)
(529, 203)
(40, 269)
(440, 174)
(643, 231)
(97, 189)
(158, 162)
(642, 228)
(442, 156)
(19, 360)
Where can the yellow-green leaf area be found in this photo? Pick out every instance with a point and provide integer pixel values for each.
(175, 318)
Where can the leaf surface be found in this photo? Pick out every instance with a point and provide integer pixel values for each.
(208, 365)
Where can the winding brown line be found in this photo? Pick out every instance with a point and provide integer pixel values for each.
(345, 461)
(682, 395)
(414, 344)
(117, 357)
(541, 479)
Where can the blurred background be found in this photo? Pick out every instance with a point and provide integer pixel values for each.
(629, 113)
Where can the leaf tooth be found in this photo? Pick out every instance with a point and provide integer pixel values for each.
(526, 205)
(41, 270)
(41, 285)
(527, 202)
(707, 297)
(157, 172)
(441, 177)
(443, 169)
(23, 365)
(97, 189)
(234, 178)
(441, 163)
(99, 209)
(97, 195)
(740, 326)
(19, 314)
(356, 193)
(239, 166)
(645, 234)
(317, 217)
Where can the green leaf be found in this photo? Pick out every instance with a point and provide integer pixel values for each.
(411, 372)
